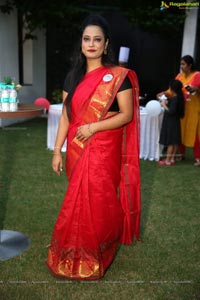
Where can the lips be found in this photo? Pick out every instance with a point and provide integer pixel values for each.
(91, 50)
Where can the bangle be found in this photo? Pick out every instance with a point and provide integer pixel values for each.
(90, 130)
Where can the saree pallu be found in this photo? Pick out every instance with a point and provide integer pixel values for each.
(101, 207)
(190, 123)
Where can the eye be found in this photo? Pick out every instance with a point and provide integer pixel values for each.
(86, 39)
(98, 40)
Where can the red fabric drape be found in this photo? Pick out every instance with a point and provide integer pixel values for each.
(101, 207)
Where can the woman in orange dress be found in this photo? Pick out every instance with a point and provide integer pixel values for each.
(190, 123)
(100, 119)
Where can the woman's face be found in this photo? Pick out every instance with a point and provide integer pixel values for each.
(93, 42)
(185, 68)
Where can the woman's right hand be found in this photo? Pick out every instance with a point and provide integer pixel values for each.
(159, 95)
(57, 163)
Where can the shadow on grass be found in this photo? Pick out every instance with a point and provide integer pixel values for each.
(9, 141)
(150, 179)
(148, 172)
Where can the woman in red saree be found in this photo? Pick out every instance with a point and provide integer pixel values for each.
(101, 208)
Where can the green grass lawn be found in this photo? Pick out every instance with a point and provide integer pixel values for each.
(165, 265)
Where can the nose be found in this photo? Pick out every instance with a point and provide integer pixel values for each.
(91, 43)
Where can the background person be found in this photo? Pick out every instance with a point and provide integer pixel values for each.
(170, 134)
(190, 124)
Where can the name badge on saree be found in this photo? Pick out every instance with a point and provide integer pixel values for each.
(107, 77)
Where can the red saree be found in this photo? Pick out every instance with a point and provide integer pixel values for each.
(101, 207)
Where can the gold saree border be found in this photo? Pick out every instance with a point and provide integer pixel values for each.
(81, 263)
(96, 110)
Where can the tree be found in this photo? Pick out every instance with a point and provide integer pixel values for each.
(144, 14)
(62, 19)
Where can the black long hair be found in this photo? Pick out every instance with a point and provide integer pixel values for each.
(176, 86)
(78, 69)
(188, 59)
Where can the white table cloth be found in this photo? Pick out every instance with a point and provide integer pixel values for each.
(149, 135)
(52, 125)
(149, 132)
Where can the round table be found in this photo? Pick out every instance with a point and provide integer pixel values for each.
(24, 110)
(13, 243)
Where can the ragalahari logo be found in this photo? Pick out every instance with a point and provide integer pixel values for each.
(179, 5)
(164, 5)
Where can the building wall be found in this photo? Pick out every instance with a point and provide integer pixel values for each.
(9, 61)
(9, 64)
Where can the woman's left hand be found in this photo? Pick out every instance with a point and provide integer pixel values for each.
(84, 132)
(193, 89)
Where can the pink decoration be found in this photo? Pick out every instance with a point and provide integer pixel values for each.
(42, 102)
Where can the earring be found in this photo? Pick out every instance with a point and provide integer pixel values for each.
(105, 51)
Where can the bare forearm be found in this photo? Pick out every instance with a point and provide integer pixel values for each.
(113, 122)
(165, 93)
(165, 107)
(86, 131)
(62, 132)
(193, 89)
(117, 120)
